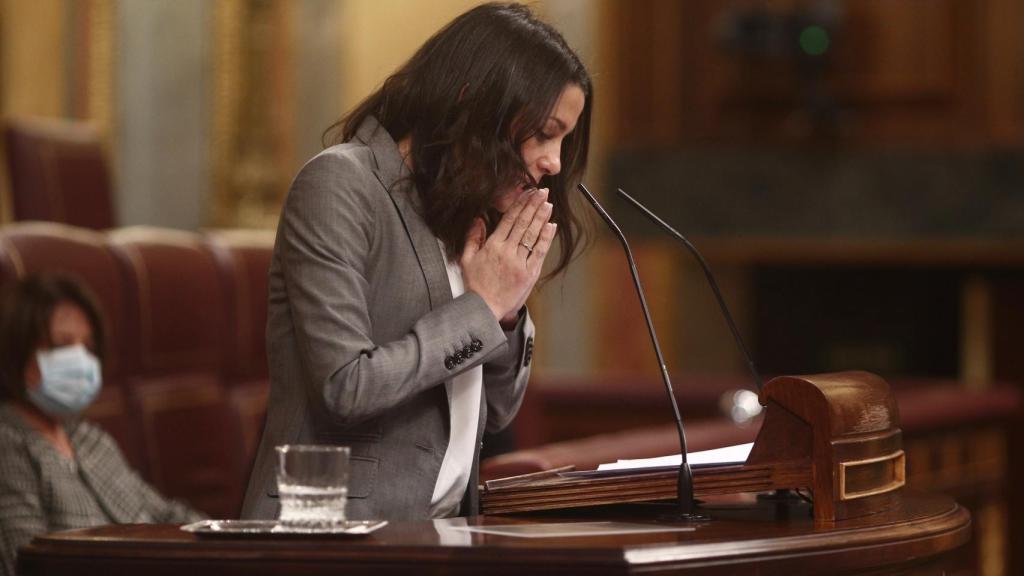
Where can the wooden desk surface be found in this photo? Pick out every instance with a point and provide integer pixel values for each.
(743, 537)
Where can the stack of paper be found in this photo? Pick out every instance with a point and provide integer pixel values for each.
(736, 454)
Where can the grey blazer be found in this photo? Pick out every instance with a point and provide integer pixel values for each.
(363, 332)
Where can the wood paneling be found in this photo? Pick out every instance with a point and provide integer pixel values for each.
(931, 73)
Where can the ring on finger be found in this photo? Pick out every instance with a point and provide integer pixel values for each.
(527, 246)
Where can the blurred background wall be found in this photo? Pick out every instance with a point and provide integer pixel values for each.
(852, 169)
(207, 109)
(787, 137)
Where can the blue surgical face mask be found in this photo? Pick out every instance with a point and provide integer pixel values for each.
(71, 380)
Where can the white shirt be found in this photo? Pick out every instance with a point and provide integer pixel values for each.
(464, 392)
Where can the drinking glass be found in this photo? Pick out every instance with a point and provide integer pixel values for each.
(312, 484)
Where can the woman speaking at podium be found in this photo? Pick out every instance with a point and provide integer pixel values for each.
(405, 254)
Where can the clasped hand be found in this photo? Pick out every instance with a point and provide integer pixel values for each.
(504, 267)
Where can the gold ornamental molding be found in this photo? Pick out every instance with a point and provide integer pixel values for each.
(227, 37)
(100, 97)
(253, 111)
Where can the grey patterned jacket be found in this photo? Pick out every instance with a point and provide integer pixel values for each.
(42, 491)
(363, 332)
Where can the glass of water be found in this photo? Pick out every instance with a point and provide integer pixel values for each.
(312, 484)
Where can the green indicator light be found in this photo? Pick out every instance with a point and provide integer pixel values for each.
(814, 40)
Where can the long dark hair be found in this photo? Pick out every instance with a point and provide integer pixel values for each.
(26, 308)
(469, 98)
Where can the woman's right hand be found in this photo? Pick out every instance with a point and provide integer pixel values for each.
(504, 267)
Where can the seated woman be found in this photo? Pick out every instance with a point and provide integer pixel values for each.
(57, 471)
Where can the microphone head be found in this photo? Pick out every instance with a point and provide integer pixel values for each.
(586, 192)
(601, 212)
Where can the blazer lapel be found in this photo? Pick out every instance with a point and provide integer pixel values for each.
(428, 251)
(395, 176)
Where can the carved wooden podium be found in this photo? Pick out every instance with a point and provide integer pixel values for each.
(835, 435)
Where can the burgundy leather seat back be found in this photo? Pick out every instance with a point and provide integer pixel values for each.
(243, 257)
(58, 173)
(179, 305)
(177, 300)
(34, 247)
(8, 266)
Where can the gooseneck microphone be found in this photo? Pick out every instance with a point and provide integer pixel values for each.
(684, 485)
(711, 281)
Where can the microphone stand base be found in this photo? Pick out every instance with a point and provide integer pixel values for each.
(678, 516)
(685, 518)
(780, 495)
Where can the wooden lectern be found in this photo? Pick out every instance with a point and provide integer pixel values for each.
(835, 435)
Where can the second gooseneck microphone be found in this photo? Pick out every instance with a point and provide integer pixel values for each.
(684, 485)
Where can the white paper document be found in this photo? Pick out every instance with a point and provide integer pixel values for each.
(736, 454)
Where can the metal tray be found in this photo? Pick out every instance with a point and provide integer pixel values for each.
(248, 528)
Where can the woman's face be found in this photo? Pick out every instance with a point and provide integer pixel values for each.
(68, 326)
(542, 152)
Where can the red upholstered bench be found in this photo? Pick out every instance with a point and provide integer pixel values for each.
(185, 374)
